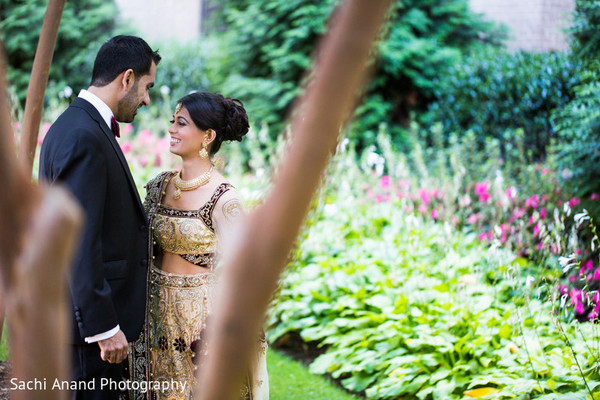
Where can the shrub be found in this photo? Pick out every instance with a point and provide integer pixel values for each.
(85, 25)
(578, 150)
(272, 43)
(495, 93)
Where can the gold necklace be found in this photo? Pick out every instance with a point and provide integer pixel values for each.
(192, 184)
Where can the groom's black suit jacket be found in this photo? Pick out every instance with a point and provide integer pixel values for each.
(108, 279)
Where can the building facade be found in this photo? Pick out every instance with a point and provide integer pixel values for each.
(535, 25)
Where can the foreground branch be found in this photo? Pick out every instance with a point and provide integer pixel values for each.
(252, 270)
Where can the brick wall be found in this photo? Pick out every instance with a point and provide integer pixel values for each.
(535, 25)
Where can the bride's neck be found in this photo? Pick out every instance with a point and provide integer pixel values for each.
(191, 168)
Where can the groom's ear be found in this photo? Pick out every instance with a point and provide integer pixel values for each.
(127, 79)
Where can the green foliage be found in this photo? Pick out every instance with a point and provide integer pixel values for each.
(85, 25)
(578, 150)
(495, 93)
(273, 42)
(410, 309)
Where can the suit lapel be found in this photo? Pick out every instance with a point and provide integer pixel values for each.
(95, 115)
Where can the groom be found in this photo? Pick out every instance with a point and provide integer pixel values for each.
(108, 279)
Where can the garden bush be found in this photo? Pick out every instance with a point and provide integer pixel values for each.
(271, 45)
(85, 25)
(494, 93)
(578, 150)
(409, 307)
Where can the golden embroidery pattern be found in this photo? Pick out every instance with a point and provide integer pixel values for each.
(232, 209)
(179, 307)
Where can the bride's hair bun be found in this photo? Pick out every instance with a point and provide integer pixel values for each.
(236, 124)
(226, 116)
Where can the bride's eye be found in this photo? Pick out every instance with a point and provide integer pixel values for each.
(172, 121)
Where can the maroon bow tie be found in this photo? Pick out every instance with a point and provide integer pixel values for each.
(114, 127)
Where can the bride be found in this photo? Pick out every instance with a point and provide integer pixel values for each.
(190, 212)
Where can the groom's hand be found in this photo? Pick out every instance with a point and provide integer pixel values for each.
(114, 349)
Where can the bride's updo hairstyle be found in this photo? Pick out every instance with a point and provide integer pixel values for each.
(226, 116)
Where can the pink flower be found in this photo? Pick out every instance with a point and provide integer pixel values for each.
(424, 196)
(434, 214)
(482, 236)
(46, 127)
(594, 196)
(157, 161)
(574, 202)
(473, 218)
(481, 188)
(545, 171)
(163, 145)
(543, 213)
(17, 126)
(127, 128)
(589, 265)
(563, 289)
(532, 201)
(536, 230)
(422, 209)
(540, 245)
(596, 298)
(578, 251)
(385, 181)
(484, 198)
(593, 314)
(579, 308)
(126, 147)
(511, 193)
(531, 220)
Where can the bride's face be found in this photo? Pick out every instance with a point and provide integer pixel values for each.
(186, 137)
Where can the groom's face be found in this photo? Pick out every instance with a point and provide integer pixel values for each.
(137, 96)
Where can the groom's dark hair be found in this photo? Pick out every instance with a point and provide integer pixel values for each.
(119, 54)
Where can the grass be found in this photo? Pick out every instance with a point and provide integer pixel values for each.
(4, 354)
(290, 380)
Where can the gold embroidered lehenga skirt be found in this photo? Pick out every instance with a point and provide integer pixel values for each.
(179, 308)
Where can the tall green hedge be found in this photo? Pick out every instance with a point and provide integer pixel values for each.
(84, 26)
(578, 151)
(496, 94)
(271, 44)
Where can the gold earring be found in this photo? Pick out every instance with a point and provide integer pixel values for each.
(203, 153)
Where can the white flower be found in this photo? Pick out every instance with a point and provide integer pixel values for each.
(329, 209)
(68, 91)
(580, 217)
(529, 281)
(344, 144)
(164, 90)
(563, 260)
(563, 300)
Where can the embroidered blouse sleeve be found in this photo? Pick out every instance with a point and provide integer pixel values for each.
(227, 215)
